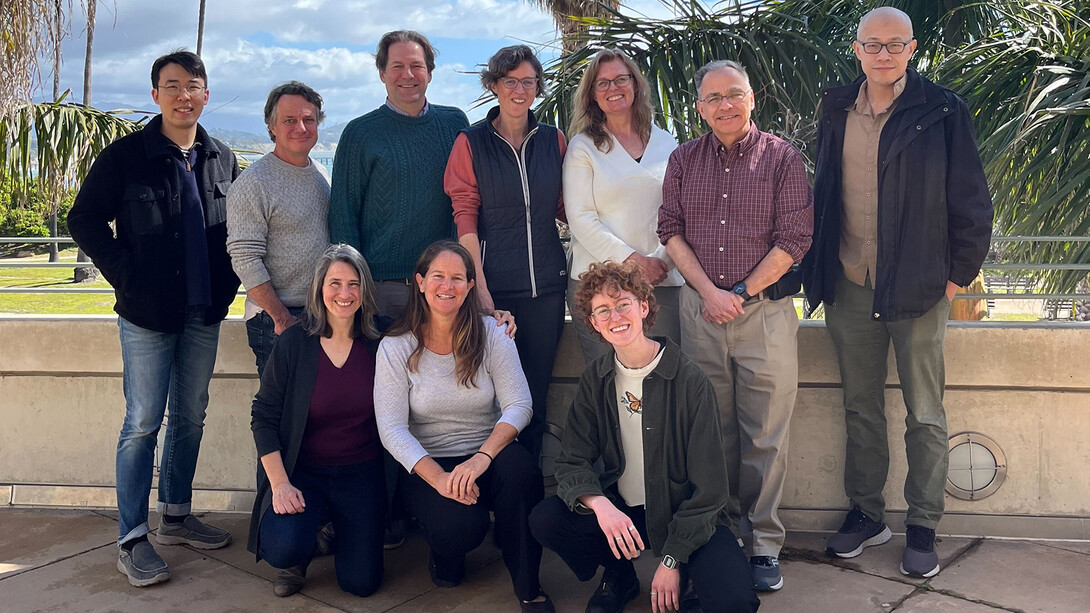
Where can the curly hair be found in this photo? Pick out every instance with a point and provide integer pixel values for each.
(612, 278)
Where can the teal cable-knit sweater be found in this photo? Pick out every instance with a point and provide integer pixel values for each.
(387, 197)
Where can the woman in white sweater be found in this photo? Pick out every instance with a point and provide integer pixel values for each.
(450, 399)
(613, 175)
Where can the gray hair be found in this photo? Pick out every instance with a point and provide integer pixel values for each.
(717, 65)
(291, 88)
(316, 319)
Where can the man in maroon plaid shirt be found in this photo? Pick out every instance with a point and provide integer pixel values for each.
(737, 213)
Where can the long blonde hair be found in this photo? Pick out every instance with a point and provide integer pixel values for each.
(588, 118)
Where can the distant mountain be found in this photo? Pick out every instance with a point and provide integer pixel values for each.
(248, 141)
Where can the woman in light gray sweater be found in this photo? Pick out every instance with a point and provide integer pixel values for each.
(450, 400)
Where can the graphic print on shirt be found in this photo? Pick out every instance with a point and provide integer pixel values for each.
(633, 404)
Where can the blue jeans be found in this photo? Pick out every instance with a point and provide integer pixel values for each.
(161, 367)
(353, 497)
(261, 335)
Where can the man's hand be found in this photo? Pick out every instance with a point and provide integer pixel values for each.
(721, 306)
(286, 500)
(666, 590)
(283, 323)
(624, 539)
(951, 289)
(464, 476)
(654, 269)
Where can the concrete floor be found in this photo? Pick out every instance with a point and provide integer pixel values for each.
(64, 561)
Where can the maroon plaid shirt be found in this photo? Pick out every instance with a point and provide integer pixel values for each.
(733, 205)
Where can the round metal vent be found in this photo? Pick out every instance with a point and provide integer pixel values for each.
(977, 466)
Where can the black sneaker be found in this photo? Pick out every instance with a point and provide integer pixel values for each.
(394, 536)
(920, 558)
(446, 572)
(538, 606)
(142, 565)
(289, 580)
(857, 533)
(325, 543)
(193, 532)
(614, 593)
(766, 573)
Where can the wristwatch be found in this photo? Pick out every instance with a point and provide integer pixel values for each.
(670, 562)
(740, 289)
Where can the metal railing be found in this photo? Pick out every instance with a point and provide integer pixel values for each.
(988, 266)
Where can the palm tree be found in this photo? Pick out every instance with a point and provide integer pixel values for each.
(569, 16)
(29, 29)
(200, 28)
(87, 273)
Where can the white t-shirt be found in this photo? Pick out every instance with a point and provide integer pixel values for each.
(629, 384)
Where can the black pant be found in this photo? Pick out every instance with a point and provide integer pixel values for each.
(353, 498)
(719, 570)
(510, 487)
(540, 323)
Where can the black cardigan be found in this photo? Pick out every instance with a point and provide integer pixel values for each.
(280, 410)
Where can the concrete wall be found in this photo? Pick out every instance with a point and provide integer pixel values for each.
(1027, 387)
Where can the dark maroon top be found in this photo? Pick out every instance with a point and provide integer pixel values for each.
(341, 426)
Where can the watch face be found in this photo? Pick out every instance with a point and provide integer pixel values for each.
(669, 562)
(739, 289)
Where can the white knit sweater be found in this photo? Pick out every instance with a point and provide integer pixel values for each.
(612, 202)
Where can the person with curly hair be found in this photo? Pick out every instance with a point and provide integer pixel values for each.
(666, 490)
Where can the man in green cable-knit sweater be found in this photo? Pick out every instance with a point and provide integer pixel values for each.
(387, 197)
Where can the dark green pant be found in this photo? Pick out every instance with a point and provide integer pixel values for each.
(862, 347)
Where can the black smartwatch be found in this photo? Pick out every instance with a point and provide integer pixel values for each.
(740, 289)
(670, 562)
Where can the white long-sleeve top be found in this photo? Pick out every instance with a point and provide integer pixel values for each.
(613, 201)
(428, 412)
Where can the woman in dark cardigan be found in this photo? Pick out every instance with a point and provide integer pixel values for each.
(313, 421)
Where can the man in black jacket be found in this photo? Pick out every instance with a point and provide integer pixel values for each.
(165, 190)
(903, 219)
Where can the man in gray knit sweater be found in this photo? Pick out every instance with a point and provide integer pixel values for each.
(277, 218)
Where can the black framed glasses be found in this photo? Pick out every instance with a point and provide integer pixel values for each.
(716, 99)
(174, 91)
(528, 84)
(620, 81)
(873, 48)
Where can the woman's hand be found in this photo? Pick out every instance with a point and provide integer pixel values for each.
(506, 318)
(442, 484)
(654, 269)
(286, 500)
(666, 590)
(464, 476)
(624, 539)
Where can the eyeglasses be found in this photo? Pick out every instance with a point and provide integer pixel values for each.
(894, 48)
(604, 314)
(174, 91)
(621, 81)
(529, 83)
(734, 98)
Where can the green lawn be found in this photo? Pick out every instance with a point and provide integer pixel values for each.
(59, 304)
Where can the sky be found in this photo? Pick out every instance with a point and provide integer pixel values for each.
(252, 45)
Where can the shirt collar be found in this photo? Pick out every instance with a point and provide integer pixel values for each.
(862, 104)
(394, 108)
(741, 147)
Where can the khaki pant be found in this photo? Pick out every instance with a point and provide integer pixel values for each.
(862, 347)
(752, 362)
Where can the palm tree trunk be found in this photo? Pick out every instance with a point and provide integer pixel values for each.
(87, 273)
(54, 253)
(200, 28)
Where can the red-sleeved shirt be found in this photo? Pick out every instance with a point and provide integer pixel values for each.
(733, 205)
(460, 183)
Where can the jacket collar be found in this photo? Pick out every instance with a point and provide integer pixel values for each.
(667, 368)
(494, 112)
(158, 145)
(844, 96)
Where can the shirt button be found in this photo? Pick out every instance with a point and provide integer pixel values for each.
(720, 277)
(868, 242)
(726, 169)
(724, 195)
(720, 248)
(876, 315)
(722, 222)
(868, 194)
(868, 217)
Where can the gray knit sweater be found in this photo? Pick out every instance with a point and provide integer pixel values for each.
(277, 228)
(428, 413)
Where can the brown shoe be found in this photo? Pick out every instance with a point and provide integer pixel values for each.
(289, 580)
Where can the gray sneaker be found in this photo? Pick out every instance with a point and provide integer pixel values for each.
(920, 558)
(192, 531)
(142, 565)
(289, 580)
(857, 533)
(766, 573)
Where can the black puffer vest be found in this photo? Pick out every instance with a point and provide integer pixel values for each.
(520, 190)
